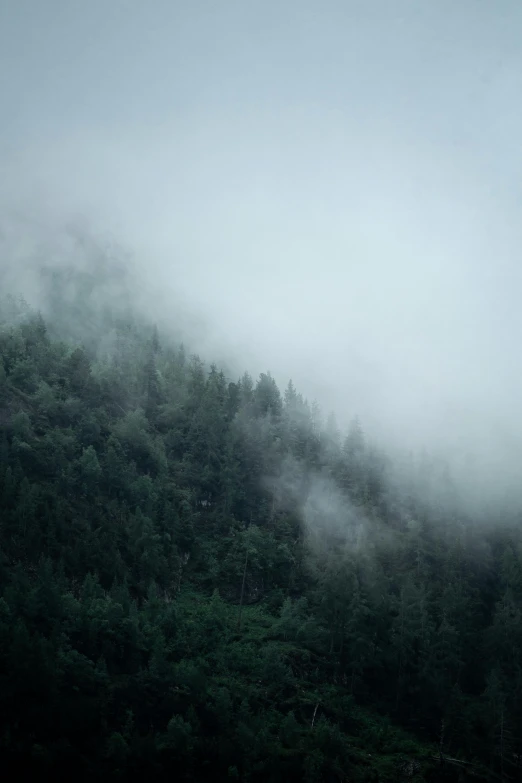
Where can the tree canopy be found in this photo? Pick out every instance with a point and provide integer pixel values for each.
(199, 578)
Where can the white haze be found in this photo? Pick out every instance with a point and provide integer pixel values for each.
(332, 186)
(324, 509)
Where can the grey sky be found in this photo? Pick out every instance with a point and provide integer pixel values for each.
(336, 184)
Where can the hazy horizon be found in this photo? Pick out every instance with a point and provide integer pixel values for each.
(332, 187)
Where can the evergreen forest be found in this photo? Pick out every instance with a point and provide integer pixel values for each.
(203, 579)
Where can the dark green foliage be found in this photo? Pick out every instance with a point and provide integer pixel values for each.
(200, 582)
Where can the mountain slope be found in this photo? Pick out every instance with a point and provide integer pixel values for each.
(201, 578)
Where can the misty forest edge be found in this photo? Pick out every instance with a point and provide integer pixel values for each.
(201, 578)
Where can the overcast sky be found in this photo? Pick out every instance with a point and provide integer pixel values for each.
(336, 185)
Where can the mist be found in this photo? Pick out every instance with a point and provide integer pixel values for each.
(329, 190)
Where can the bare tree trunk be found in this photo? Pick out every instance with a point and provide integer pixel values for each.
(502, 745)
(182, 563)
(242, 592)
(441, 743)
(399, 670)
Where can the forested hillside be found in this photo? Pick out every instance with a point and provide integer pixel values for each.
(203, 579)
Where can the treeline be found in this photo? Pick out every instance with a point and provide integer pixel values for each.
(200, 577)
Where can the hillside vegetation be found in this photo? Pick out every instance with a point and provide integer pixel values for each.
(202, 579)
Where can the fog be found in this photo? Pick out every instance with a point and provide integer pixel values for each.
(333, 188)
